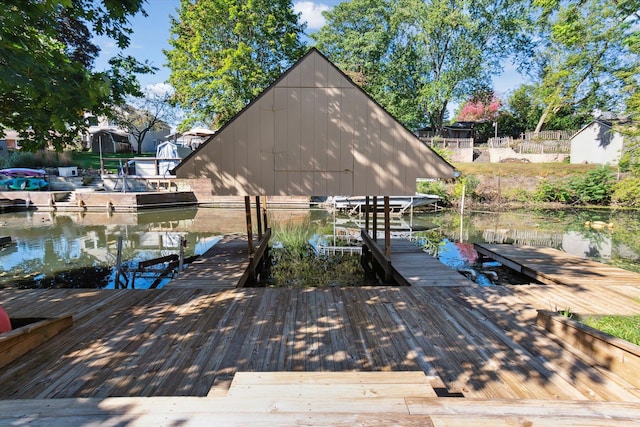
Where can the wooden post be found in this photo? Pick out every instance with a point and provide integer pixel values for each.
(258, 218)
(118, 262)
(387, 227)
(375, 218)
(366, 214)
(264, 214)
(183, 243)
(247, 211)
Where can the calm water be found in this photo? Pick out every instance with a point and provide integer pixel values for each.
(79, 250)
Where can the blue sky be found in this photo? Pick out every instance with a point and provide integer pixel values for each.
(150, 35)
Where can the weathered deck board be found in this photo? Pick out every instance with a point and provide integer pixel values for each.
(222, 267)
(414, 267)
(551, 266)
(183, 341)
(269, 411)
(191, 341)
(338, 385)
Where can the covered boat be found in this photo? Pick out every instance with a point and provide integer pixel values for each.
(17, 172)
(26, 184)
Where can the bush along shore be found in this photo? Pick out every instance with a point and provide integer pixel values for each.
(508, 185)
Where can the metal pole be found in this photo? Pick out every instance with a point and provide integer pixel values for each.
(464, 188)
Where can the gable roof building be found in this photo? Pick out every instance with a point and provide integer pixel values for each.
(597, 143)
(314, 132)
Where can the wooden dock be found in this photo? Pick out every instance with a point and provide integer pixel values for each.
(409, 355)
(409, 265)
(79, 201)
(226, 265)
(470, 346)
(554, 267)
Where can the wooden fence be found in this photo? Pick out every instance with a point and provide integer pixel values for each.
(448, 142)
(530, 147)
(549, 135)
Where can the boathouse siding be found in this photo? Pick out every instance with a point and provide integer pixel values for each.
(312, 133)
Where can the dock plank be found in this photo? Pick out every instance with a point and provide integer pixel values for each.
(173, 342)
(223, 266)
(411, 266)
(335, 384)
(554, 267)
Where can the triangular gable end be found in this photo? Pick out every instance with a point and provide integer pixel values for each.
(314, 133)
(591, 124)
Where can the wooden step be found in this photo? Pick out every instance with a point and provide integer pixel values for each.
(336, 385)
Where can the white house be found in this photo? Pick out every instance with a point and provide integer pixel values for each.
(598, 143)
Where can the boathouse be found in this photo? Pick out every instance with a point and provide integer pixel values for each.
(314, 132)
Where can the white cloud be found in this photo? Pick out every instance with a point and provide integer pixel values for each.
(311, 13)
(158, 89)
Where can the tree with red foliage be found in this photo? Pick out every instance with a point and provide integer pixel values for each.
(482, 107)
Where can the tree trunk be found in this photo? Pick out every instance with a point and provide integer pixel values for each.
(543, 119)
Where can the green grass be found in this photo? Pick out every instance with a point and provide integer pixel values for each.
(523, 169)
(625, 327)
(89, 160)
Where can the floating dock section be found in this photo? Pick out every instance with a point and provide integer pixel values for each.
(407, 264)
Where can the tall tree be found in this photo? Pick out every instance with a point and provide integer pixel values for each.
(46, 58)
(584, 48)
(630, 76)
(526, 109)
(225, 52)
(140, 115)
(417, 56)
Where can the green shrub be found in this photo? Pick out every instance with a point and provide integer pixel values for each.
(594, 188)
(434, 187)
(626, 192)
(315, 271)
(470, 184)
(520, 195)
(625, 327)
(552, 192)
(294, 238)
(443, 152)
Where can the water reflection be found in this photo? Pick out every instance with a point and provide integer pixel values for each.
(72, 250)
(79, 250)
(571, 231)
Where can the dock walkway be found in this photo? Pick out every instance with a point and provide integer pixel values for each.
(409, 265)
(226, 265)
(191, 342)
(260, 356)
(554, 267)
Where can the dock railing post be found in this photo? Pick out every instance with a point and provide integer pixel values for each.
(118, 262)
(258, 218)
(247, 211)
(375, 218)
(183, 243)
(366, 214)
(264, 214)
(387, 227)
